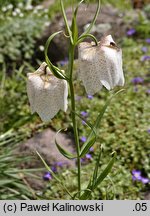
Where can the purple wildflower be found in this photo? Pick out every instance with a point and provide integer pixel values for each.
(131, 32)
(144, 49)
(84, 113)
(63, 62)
(83, 122)
(148, 91)
(82, 160)
(148, 40)
(54, 168)
(83, 139)
(136, 175)
(88, 156)
(90, 97)
(145, 58)
(137, 80)
(134, 178)
(59, 163)
(91, 149)
(145, 180)
(148, 131)
(47, 176)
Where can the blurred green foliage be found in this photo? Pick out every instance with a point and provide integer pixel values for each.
(18, 35)
(16, 2)
(143, 27)
(13, 99)
(12, 177)
(13, 2)
(123, 5)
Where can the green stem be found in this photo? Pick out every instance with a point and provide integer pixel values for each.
(73, 115)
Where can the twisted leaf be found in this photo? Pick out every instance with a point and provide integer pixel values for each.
(64, 152)
(56, 71)
(94, 19)
(82, 37)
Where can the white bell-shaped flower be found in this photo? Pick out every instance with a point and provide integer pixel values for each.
(100, 65)
(47, 94)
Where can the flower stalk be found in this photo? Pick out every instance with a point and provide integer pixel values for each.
(73, 115)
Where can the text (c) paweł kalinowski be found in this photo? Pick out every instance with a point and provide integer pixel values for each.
(61, 207)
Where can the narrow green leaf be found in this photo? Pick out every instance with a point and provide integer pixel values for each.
(74, 26)
(87, 145)
(74, 29)
(49, 40)
(5, 182)
(90, 141)
(97, 166)
(87, 192)
(55, 70)
(54, 175)
(105, 172)
(76, 10)
(66, 21)
(14, 191)
(24, 188)
(5, 159)
(82, 37)
(47, 167)
(94, 19)
(77, 193)
(64, 152)
(14, 176)
(23, 170)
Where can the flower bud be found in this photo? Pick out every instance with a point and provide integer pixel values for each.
(100, 65)
(47, 94)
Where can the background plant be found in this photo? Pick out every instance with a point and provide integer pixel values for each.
(20, 29)
(13, 184)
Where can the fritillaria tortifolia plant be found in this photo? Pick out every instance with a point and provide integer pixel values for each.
(100, 64)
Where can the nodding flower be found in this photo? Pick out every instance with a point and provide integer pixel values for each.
(100, 65)
(47, 94)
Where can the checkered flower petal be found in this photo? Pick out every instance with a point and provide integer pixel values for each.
(47, 94)
(100, 65)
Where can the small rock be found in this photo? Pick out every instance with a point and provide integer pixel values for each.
(44, 143)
